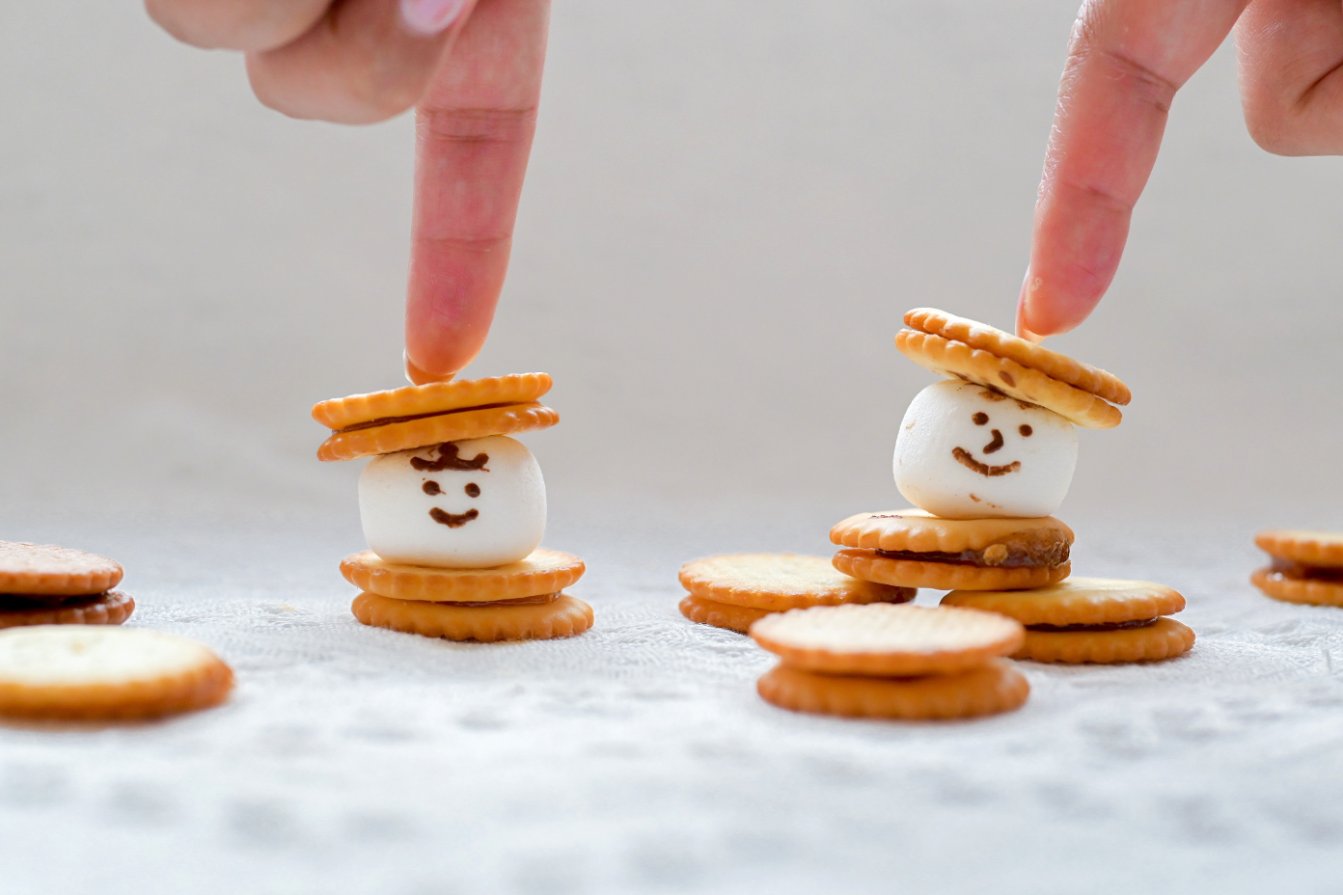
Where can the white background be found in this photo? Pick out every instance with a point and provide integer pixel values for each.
(728, 209)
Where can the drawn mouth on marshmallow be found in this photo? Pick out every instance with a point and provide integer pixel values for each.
(969, 461)
(452, 520)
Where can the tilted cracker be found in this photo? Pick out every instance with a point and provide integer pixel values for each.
(1077, 601)
(780, 581)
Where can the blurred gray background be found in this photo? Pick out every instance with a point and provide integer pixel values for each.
(726, 214)
(730, 205)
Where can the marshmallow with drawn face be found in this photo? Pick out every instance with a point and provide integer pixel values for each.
(965, 452)
(464, 504)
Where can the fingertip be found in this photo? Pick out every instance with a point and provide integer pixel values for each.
(416, 375)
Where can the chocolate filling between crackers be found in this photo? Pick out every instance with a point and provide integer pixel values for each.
(1109, 626)
(1295, 571)
(1025, 553)
(390, 420)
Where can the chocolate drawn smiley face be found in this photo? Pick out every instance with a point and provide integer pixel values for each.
(449, 458)
(988, 470)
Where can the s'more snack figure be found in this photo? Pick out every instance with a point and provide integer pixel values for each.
(454, 511)
(987, 456)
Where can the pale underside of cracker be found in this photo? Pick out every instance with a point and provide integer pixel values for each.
(431, 397)
(1311, 548)
(457, 425)
(111, 608)
(869, 566)
(1298, 590)
(960, 361)
(779, 581)
(1164, 639)
(990, 689)
(563, 617)
(544, 571)
(80, 672)
(1058, 366)
(921, 532)
(1076, 601)
(47, 569)
(720, 615)
(886, 640)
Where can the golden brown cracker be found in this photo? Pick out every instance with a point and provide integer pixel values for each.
(1163, 639)
(780, 581)
(47, 569)
(1028, 354)
(563, 617)
(987, 690)
(430, 397)
(919, 531)
(1309, 548)
(111, 608)
(1306, 591)
(541, 572)
(887, 640)
(1077, 601)
(872, 566)
(959, 360)
(721, 615)
(105, 673)
(422, 431)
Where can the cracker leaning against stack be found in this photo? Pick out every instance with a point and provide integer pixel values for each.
(453, 511)
(987, 456)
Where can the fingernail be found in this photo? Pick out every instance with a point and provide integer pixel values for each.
(431, 16)
(416, 376)
(1029, 285)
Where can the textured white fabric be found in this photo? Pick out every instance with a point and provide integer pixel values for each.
(638, 757)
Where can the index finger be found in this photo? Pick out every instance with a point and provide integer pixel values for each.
(473, 135)
(1126, 60)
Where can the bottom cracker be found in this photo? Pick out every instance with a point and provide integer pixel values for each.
(562, 617)
(869, 565)
(721, 615)
(1163, 639)
(111, 608)
(993, 688)
(1297, 590)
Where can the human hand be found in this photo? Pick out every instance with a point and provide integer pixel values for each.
(472, 71)
(1126, 60)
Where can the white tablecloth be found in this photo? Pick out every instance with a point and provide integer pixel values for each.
(639, 758)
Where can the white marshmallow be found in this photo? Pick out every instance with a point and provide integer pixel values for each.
(469, 504)
(965, 452)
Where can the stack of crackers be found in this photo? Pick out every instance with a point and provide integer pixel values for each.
(1304, 567)
(64, 658)
(1015, 566)
(521, 600)
(892, 662)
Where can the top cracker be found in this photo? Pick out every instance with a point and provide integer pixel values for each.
(980, 353)
(433, 397)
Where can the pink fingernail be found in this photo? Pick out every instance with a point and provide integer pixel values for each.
(431, 16)
(1029, 284)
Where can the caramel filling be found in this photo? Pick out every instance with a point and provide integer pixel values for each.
(1111, 626)
(1301, 572)
(1027, 553)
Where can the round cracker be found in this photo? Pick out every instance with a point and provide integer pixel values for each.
(111, 608)
(887, 640)
(959, 360)
(721, 615)
(49, 570)
(781, 581)
(96, 673)
(1077, 601)
(542, 572)
(1034, 356)
(430, 397)
(990, 689)
(455, 426)
(1163, 639)
(870, 566)
(919, 531)
(1309, 548)
(562, 617)
(1305, 591)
